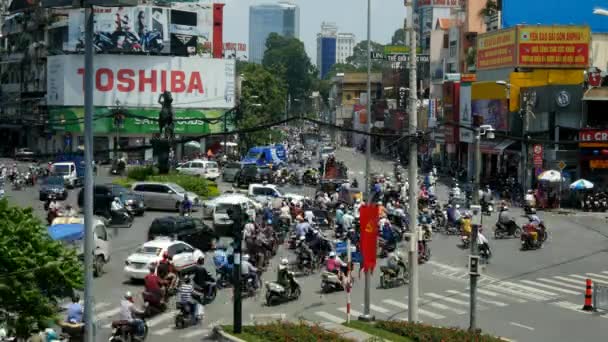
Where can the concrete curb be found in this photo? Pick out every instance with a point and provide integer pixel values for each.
(220, 335)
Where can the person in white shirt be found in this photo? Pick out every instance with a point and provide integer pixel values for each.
(248, 230)
(347, 221)
(285, 213)
(128, 310)
(309, 216)
(54, 205)
(530, 199)
(70, 211)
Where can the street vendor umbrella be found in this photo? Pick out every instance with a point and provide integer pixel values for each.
(550, 176)
(193, 144)
(581, 184)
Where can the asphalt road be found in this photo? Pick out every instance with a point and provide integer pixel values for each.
(523, 296)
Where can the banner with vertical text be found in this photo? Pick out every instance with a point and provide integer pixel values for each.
(368, 218)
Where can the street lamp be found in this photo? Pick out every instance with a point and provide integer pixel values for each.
(488, 131)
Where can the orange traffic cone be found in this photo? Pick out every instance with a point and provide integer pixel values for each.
(588, 296)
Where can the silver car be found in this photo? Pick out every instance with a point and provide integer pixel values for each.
(163, 196)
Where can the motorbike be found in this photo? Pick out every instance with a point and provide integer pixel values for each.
(152, 41)
(119, 219)
(223, 276)
(506, 231)
(527, 240)
(209, 292)
(304, 264)
(529, 210)
(184, 317)
(466, 241)
(123, 331)
(386, 247)
(293, 241)
(330, 282)
(118, 168)
(72, 332)
(389, 278)
(276, 293)
(485, 252)
(424, 253)
(487, 208)
(152, 305)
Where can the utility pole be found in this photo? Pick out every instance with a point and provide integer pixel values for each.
(413, 169)
(525, 95)
(368, 154)
(236, 215)
(88, 175)
(474, 232)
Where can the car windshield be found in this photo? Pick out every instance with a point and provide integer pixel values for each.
(53, 181)
(222, 208)
(253, 155)
(327, 150)
(148, 250)
(61, 169)
(250, 170)
(212, 165)
(177, 188)
(264, 169)
(117, 190)
(232, 166)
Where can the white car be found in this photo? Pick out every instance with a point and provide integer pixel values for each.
(209, 205)
(221, 219)
(138, 264)
(326, 151)
(202, 168)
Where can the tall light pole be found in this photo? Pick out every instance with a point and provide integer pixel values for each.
(368, 154)
(413, 168)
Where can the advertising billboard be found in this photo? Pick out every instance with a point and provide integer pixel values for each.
(440, 3)
(495, 112)
(535, 47)
(466, 119)
(137, 81)
(496, 49)
(191, 27)
(553, 46)
(122, 29)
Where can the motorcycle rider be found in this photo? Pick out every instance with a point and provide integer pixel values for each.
(284, 278)
(334, 264)
(536, 228)
(186, 207)
(302, 227)
(454, 215)
(128, 310)
(486, 197)
(249, 230)
(153, 286)
(529, 199)
(70, 211)
(482, 243)
(166, 272)
(505, 219)
(394, 262)
(309, 215)
(248, 271)
(347, 221)
(304, 252)
(75, 311)
(185, 293)
(118, 212)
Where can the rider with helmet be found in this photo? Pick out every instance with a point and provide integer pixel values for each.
(127, 312)
(248, 271)
(202, 278)
(394, 262)
(284, 277)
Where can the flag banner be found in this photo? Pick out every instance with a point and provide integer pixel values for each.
(368, 218)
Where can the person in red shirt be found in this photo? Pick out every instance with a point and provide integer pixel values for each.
(153, 286)
(166, 271)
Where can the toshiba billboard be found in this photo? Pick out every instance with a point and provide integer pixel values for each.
(137, 81)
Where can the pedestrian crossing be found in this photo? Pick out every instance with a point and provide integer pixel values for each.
(495, 294)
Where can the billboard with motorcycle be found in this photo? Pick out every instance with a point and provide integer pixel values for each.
(137, 81)
(122, 29)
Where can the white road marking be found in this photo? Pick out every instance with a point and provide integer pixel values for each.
(494, 294)
(432, 262)
(578, 282)
(549, 287)
(602, 277)
(420, 311)
(521, 326)
(442, 307)
(378, 309)
(99, 306)
(107, 314)
(483, 300)
(571, 306)
(163, 331)
(447, 299)
(161, 318)
(592, 278)
(512, 292)
(531, 289)
(330, 317)
(352, 312)
(195, 333)
(605, 272)
(560, 283)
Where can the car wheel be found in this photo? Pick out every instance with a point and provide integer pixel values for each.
(177, 205)
(98, 266)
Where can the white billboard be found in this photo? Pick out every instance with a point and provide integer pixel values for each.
(137, 81)
(466, 119)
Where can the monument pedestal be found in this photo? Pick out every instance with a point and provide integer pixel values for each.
(160, 153)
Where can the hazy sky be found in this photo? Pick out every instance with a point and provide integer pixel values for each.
(349, 15)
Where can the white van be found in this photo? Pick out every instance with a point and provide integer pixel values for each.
(70, 231)
(199, 167)
(67, 170)
(221, 221)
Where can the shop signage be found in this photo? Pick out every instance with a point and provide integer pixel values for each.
(136, 81)
(468, 77)
(537, 151)
(553, 46)
(496, 49)
(440, 3)
(593, 135)
(391, 49)
(451, 77)
(598, 164)
(466, 119)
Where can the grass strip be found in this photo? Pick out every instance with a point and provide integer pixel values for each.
(371, 329)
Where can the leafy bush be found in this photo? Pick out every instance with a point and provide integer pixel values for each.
(125, 182)
(428, 333)
(140, 173)
(287, 331)
(200, 186)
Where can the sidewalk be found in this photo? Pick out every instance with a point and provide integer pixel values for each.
(346, 332)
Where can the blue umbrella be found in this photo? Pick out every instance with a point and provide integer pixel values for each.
(581, 184)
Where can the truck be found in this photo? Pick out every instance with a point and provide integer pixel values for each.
(71, 167)
(266, 155)
(333, 174)
(70, 232)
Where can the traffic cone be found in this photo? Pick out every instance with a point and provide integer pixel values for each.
(588, 296)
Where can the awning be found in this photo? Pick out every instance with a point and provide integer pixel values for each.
(495, 146)
(596, 94)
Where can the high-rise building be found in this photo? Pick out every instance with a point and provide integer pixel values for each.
(282, 18)
(326, 47)
(344, 47)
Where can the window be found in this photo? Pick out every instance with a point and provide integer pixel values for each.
(259, 191)
(212, 165)
(197, 165)
(101, 233)
(446, 41)
(148, 250)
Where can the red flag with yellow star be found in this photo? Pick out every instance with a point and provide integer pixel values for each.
(368, 219)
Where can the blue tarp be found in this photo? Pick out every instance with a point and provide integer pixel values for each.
(67, 232)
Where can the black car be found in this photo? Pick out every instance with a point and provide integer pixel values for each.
(230, 171)
(103, 195)
(189, 229)
(253, 174)
(53, 186)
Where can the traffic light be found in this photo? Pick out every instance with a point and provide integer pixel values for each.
(474, 265)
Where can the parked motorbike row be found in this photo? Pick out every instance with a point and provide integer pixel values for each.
(596, 202)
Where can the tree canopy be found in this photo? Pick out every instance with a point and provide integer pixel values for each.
(398, 37)
(287, 58)
(359, 57)
(35, 271)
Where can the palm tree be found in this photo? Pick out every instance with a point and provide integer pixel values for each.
(490, 9)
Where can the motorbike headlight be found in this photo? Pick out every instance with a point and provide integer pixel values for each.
(130, 202)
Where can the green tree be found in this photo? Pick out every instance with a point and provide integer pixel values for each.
(340, 67)
(35, 271)
(359, 57)
(287, 58)
(398, 37)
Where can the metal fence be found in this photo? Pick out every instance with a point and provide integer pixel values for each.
(600, 297)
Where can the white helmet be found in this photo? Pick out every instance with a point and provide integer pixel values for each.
(332, 254)
(302, 238)
(284, 262)
(457, 206)
(246, 257)
(128, 295)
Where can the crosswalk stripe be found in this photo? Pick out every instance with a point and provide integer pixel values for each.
(483, 300)
(598, 275)
(379, 309)
(195, 333)
(592, 278)
(447, 299)
(549, 287)
(107, 314)
(560, 283)
(163, 331)
(352, 312)
(442, 307)
(161, 318)
(531, 289)
(513, 292)
(571, 306)
(575, 281)
(494, 294)
(330, 317)
(605, 272)
(420, 311)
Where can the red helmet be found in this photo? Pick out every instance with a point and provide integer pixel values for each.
(165, 255)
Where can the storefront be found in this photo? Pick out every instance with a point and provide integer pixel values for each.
(593, 156)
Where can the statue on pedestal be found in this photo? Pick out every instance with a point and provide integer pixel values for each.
(165, 117)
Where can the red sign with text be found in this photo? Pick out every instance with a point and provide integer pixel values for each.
(537, 150)
(593, 135)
